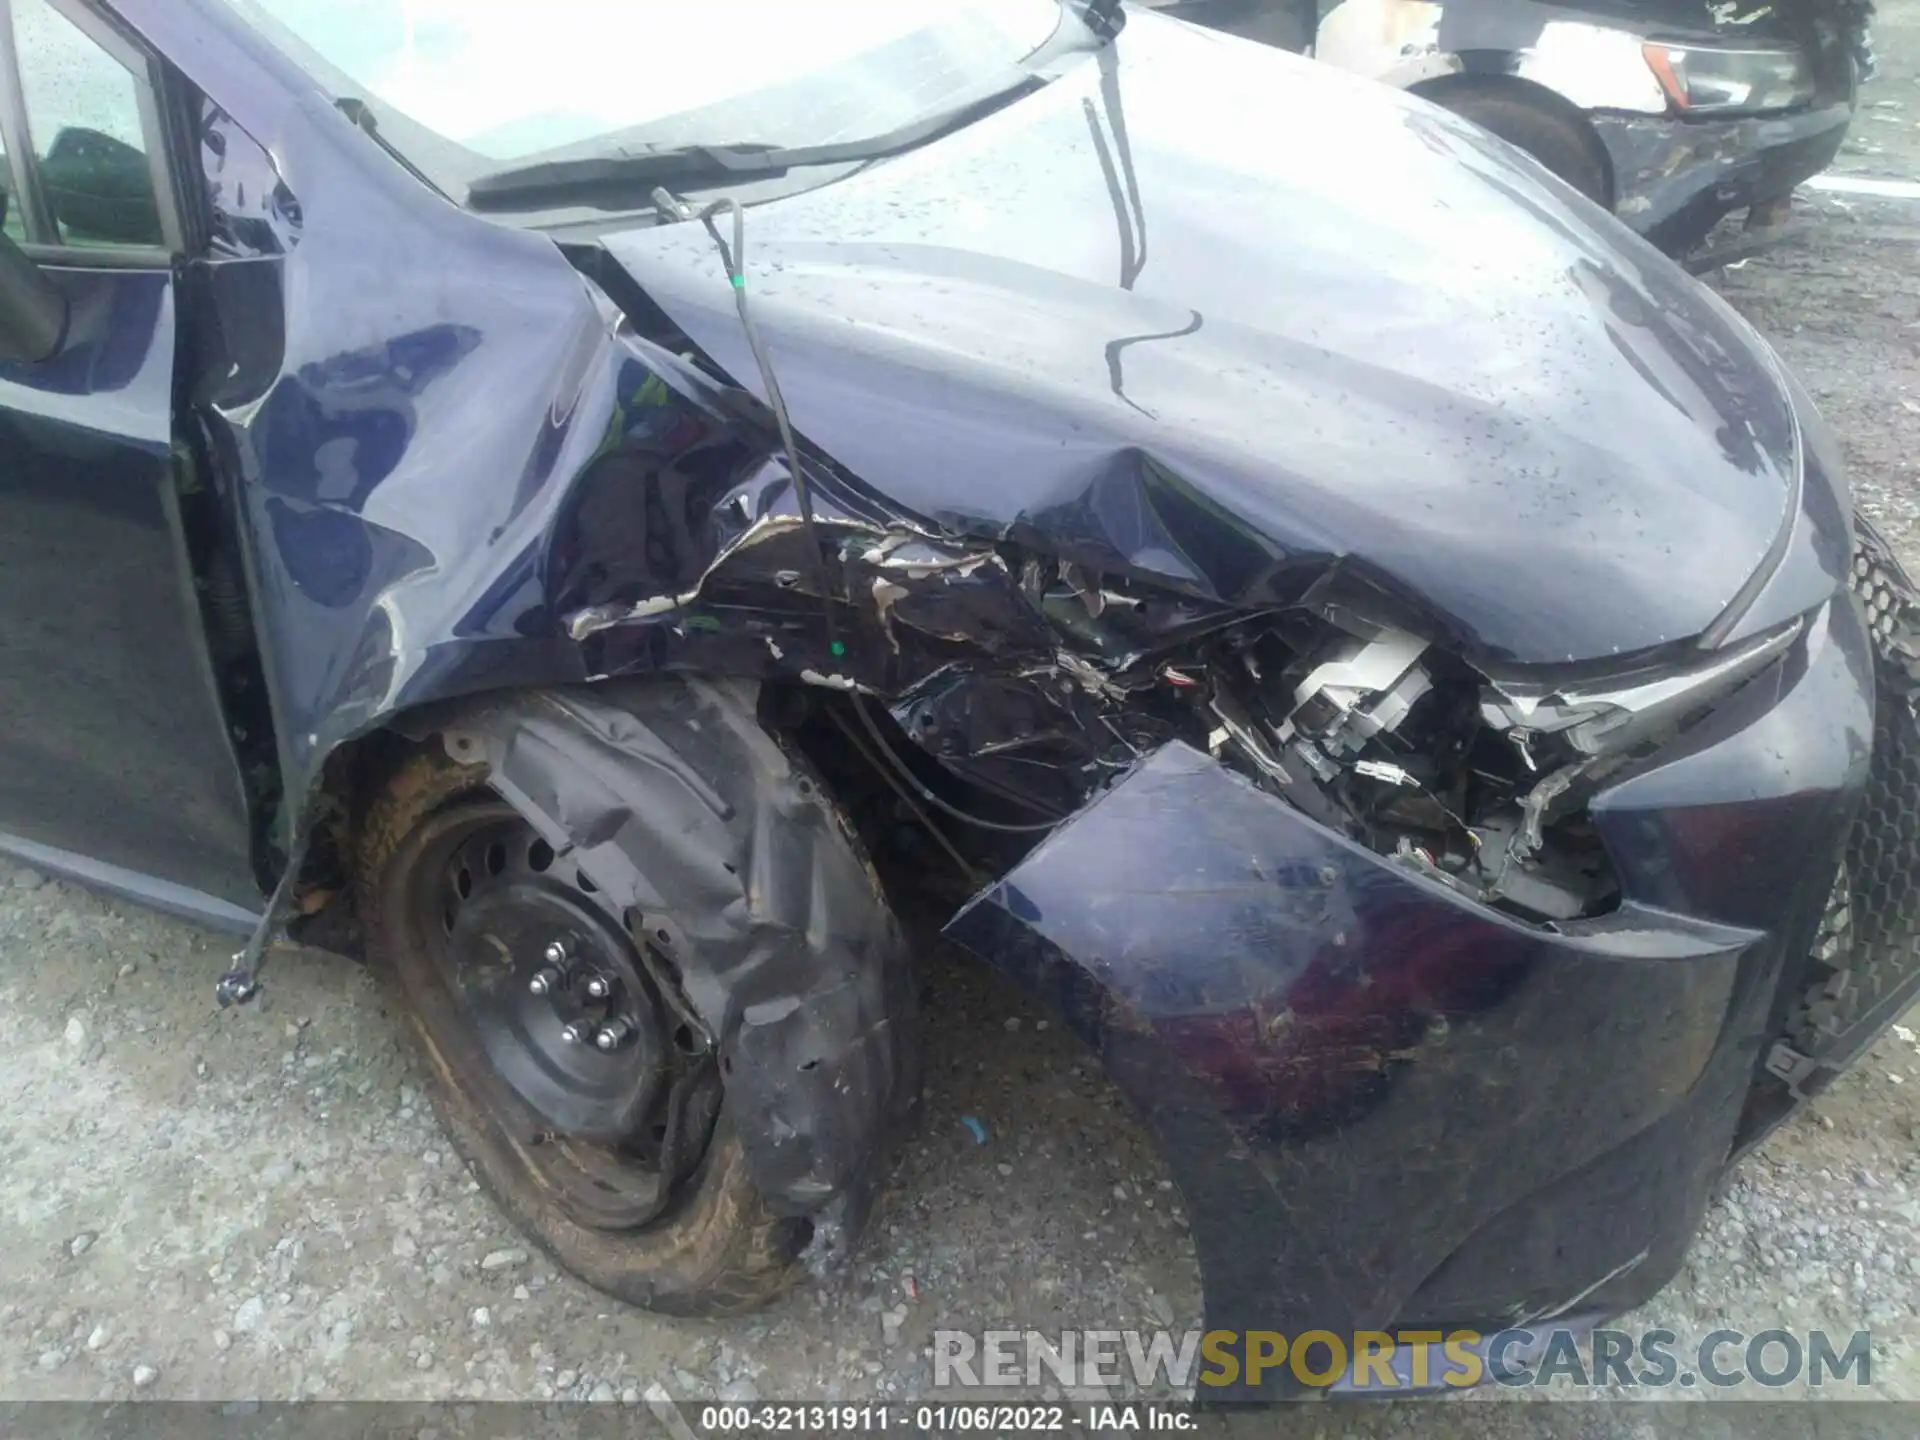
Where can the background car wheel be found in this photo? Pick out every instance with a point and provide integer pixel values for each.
(564, 1077)
(1560, 141)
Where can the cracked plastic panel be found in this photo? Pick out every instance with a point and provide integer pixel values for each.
(1239, 420)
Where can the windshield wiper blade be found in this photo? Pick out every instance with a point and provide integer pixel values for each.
(524, 186)
(559, 182)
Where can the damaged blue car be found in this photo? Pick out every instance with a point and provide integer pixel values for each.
(1384, 654)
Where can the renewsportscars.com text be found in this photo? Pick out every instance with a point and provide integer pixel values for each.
(1376, 1360)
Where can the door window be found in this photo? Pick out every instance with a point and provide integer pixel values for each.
(11, 225)
(90, 142)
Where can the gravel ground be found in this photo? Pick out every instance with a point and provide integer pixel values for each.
(257, 1204)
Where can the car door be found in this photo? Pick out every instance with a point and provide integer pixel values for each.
(115, 761)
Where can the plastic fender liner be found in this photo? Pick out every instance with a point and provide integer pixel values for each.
(738, 870)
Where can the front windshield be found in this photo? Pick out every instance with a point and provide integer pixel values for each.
(492, 82)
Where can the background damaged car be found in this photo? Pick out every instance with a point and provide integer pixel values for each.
(1381, 652)
(1675, 114)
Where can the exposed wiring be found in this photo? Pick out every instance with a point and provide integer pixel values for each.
(899, 767)
(733, 257)
(906, 798)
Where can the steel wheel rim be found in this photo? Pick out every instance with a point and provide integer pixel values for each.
(607, 1128)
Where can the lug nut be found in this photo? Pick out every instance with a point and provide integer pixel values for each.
(557, 952)
(613, 1034)
(545, 981)
(597, 987)
(577, 1034)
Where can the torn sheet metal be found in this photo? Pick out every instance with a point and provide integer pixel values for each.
(979, 653)
(502, 479)
(496, 478)
(712, 845)
(963, 372)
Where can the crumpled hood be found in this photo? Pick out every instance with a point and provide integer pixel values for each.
(1203, 310)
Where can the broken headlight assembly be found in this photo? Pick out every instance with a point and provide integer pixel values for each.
(1708, 80)
(1479, 782)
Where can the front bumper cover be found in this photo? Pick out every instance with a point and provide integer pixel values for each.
(1387, 1106)
(1674, 180)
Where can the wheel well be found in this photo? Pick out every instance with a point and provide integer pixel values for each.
(353, 776)
(929, 863)
(1447, 90)
(923, 877)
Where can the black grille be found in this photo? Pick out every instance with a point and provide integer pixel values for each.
(1868, 946)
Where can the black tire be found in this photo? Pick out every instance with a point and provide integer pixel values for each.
(1559, 141)
(716, 1250)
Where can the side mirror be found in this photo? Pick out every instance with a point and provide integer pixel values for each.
(33, 314)
(100, 188)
